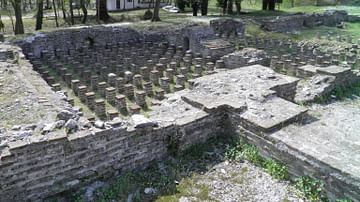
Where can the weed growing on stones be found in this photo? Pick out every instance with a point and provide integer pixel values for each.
(311, 188)
(242, 151)
(276, 169)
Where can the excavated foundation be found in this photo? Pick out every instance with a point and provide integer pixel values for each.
(117, 99)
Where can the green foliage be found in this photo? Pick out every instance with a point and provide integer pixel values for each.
(234, 151)
(76, 197)
(121, 187)
(311, 188)
(276, 169)
(240, 151)
(251, 154)
(220, 3)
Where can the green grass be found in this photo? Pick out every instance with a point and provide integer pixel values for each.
(186, 188)
(239, 151)
(276, 169)
(312, 189)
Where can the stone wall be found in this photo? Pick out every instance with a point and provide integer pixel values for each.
(38, 169)
(194, 35)
(8, 52)
(337, 184)
(298, 21)
(246, 57)
(227, 27)
(71, 40)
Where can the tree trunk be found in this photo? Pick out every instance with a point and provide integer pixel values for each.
(156, 16)
(84, 10)
(47, 5)
(265, 4)
(224, 6)
(39, 14)
(19, 26)
(238, 6)
(230, 7)
(2, 26)
(292, 3)
(11, 19)
(204, 7)
(63, 9)
(55, 13)
(271, 5)
(195, 7)
(101, 10)
(72, 20)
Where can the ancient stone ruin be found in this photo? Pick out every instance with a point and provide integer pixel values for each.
(295, 22)
(106, 99)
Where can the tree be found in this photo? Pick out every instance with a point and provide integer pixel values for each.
(268, 5)
(195, 7)
(2, 26)
(230, 10)
(19, 25)
(11, 19)
(156, 16)
(223, 4)
(227, 6)
(55, 13)
(39, 15)
(238, 6)
(101, 10)
(84, 10)
(47, 5)
(72, 20)
(204, 7)
(181, 5)
(63, 9)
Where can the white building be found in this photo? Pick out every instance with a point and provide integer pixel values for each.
(116, 5)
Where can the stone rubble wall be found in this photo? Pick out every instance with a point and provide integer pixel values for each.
(71, 40)
(195, 35)
(227, 27)
(246, 57)
(298, 21)
(42, 168)
(8, 52)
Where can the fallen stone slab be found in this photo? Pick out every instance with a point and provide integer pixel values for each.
(140, 121)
